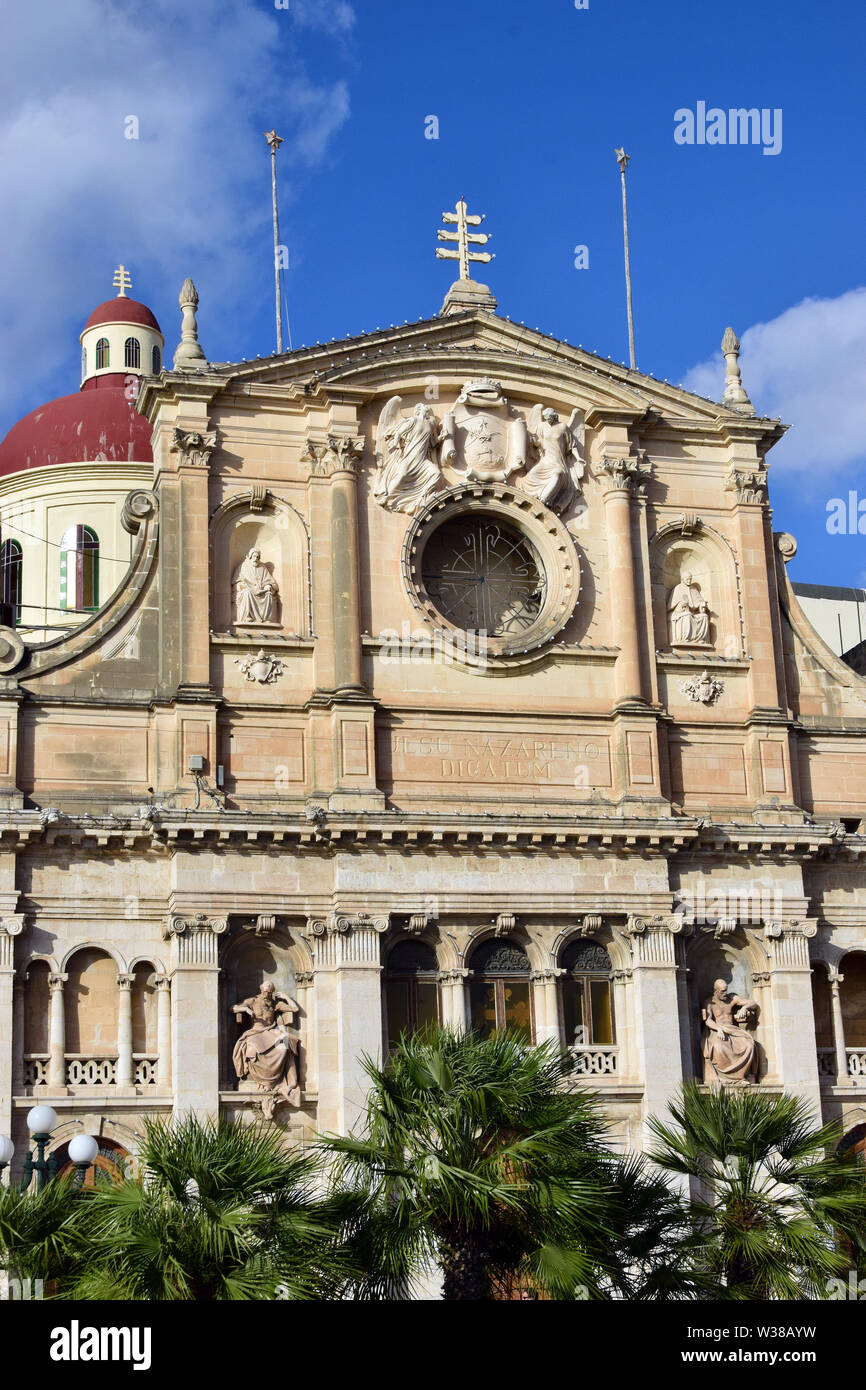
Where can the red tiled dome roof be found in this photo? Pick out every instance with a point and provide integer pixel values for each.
(91, 425)
(121, 310)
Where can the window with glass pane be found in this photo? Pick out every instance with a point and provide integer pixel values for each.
(102, 358)
(587, 1003)
(155, 360)
(79, 568)
(500, 993)
(132, 353)
(411, 989)
(10, 564)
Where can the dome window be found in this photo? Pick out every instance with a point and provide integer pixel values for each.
(102, 354)
(155, 360)
(10, 575)
(79, 569)
(132, 353)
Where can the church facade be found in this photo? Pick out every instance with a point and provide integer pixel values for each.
(456, 674)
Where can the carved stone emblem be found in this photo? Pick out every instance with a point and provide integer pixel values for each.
(703, 689)
(484, 434)
(194, 448)
(264, 669)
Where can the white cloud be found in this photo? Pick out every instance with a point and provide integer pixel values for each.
(187, 197)
(808, 366)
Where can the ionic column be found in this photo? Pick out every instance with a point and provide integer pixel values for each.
(787, 943)
(338, 621)
(622, 476)
(195, 1031)
(163, 1031)
(56, 1032)
(656, 1001)
(304, 981)
(11, 1020)
(546, 1006)
(452, 992)
(838, 1027)
(347, 953)
(124, 1030)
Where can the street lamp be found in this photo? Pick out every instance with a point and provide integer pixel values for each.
(40, 1121)
(7, 1149)
(82, 1151)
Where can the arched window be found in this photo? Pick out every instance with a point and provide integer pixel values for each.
(587, 1005)
(500, 992)
(79, 568)
(132, 353)
(411, 989)
(155, 359)
(83, 363)
(102, 354)
(10, 566)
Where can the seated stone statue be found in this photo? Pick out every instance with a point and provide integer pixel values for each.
(729, 1049)
(688, 613)
(267, 1052)
(255, 591)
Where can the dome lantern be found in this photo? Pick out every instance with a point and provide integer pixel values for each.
(121, 338)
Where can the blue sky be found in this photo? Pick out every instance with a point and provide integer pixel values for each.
(531, 100)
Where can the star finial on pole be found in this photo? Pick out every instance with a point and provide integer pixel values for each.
(463, 237)
(122, 281)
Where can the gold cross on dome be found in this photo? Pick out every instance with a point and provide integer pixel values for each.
(122, 281)
(463, 237)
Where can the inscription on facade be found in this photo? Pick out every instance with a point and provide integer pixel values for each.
(516, 758)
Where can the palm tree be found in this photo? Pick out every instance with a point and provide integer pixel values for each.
(218, 1211)
(772, 1196)
(476, 1158)
(39, 1230)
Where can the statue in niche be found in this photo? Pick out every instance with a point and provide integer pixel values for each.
(730, 1052)
(255, 589)
(688, 613)
(267, 1052)
(407, 469)
(556, 477)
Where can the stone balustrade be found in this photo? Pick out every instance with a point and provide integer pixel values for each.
(591, 1060)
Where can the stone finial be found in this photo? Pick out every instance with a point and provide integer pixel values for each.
(736, 396)
(189, 355)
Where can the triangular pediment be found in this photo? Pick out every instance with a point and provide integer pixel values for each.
(474, 343)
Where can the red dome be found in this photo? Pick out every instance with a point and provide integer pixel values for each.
(122, 310)
(91, 425)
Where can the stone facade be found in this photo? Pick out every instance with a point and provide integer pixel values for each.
(517, 683)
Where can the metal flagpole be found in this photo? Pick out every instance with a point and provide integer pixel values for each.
(274, 141)
(622, 160)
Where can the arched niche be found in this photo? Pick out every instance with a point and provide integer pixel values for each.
(278, 533)
(248, 962)
(710, 959)
(852, 995)
(707, 557)
(91, 1003)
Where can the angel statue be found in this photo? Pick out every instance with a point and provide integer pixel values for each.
(267, 1052)
(407, 469)
(556, 476)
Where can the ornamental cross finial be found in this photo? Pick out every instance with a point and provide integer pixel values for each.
(463, 237)
(122, 281)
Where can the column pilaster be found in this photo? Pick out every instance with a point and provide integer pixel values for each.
(787, 943)
(195, 1011)
(347, 952)
(11, 1019)
(656, 999)
(56, 1033)
(842, 1077)
(124, 1032)
(621, 478)
(163, 1031)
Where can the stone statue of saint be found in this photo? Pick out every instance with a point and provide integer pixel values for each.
(407, 468)
(255, 590)
(267, 1052)
(688, 613)
(556, 477)
(730, 1052)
